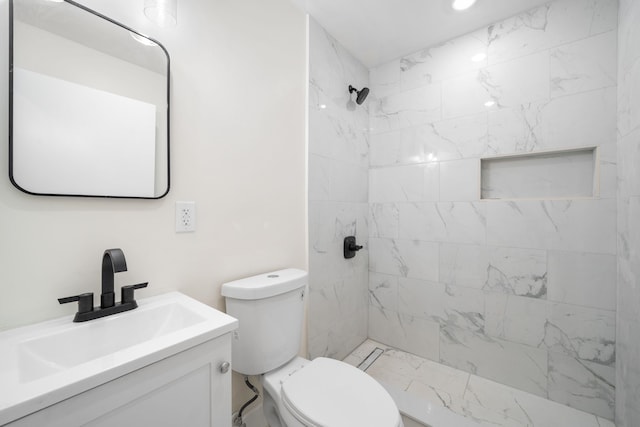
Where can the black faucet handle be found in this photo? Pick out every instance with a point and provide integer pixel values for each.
(85, 301)
(126, 292)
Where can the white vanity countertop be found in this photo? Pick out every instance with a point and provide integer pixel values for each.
(48, 362)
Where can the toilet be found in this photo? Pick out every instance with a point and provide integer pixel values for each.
(297, 392)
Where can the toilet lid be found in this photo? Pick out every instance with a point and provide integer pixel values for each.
(330, 393)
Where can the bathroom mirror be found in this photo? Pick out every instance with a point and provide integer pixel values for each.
(89, 104)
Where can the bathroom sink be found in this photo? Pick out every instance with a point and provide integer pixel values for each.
(45, 363)
(69, 347)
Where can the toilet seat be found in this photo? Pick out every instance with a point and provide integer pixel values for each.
(330, 393)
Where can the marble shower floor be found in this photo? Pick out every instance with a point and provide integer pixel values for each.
(483, 401)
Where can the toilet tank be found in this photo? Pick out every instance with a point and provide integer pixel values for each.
(270, 310)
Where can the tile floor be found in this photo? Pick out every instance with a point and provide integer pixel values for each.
(483, 401)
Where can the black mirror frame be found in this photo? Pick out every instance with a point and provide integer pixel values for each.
(98, 14)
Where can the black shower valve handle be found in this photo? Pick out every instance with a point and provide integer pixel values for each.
(349, 247)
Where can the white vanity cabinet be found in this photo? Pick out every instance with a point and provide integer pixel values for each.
(165, 364)
(191, 388)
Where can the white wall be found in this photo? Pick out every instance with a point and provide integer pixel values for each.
(628, 319)
(520, 291)
(338, 167)
(238, 151)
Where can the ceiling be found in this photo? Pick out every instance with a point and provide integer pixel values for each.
(377, 31)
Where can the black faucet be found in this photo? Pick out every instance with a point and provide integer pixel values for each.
(113, 261)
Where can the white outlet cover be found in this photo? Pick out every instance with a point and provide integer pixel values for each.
(185, 217)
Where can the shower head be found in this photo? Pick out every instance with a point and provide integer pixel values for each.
(361, 94)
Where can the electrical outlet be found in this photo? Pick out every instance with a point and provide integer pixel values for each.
(185, 217)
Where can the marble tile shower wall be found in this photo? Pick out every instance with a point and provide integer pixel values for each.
(338, 191)
(628, 320)
(518, 291)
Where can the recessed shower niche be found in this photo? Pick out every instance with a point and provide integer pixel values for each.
(546, 175)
